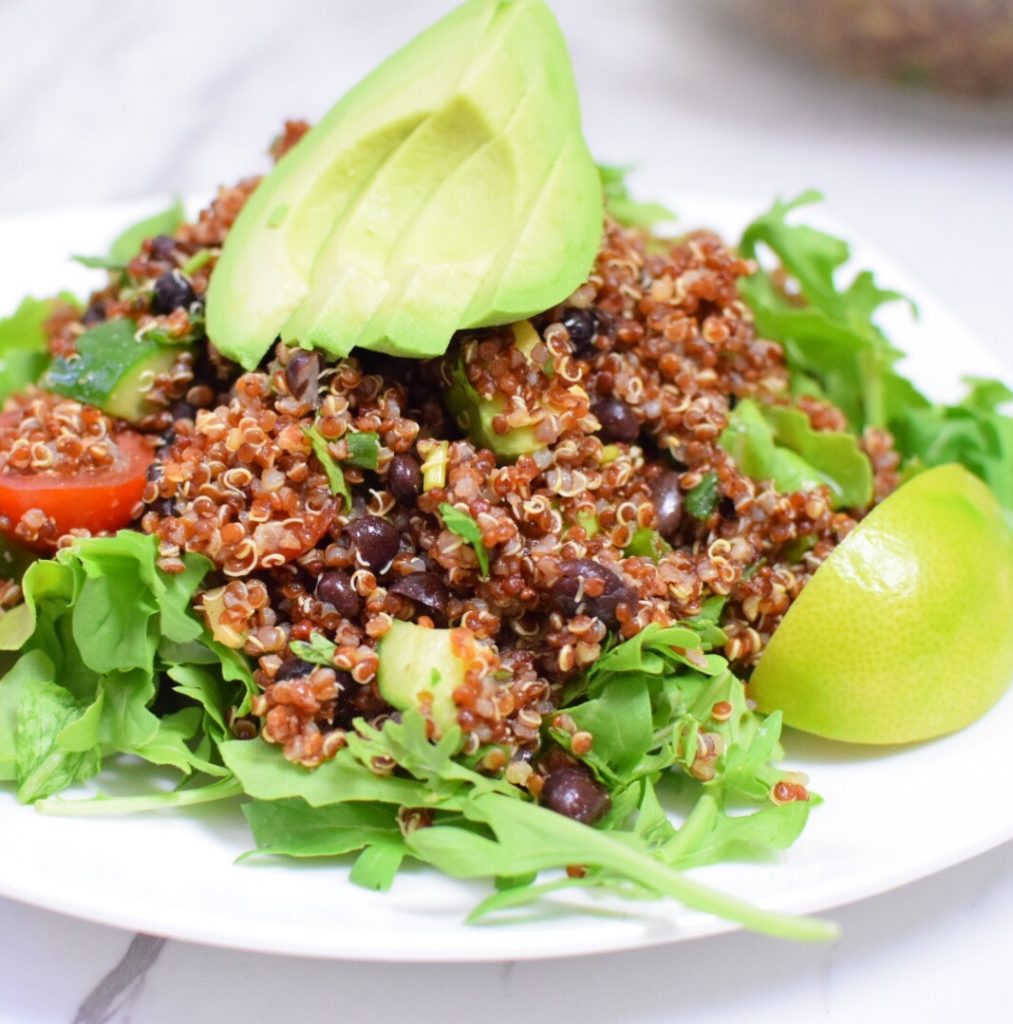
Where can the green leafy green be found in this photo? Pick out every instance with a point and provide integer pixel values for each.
(363, 449)
(335, 476)
(319, 650)
(41, 765)
(701, 501)
(465, 527)
(100, 631)
(478, 826)
(295, 829)
(647, 543)
(777, 443)
(199, 259)
(24, 352)
(128, 243)
(973, 432)
(621, 205)
(835, 349)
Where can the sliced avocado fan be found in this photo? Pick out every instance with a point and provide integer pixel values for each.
(451, 188)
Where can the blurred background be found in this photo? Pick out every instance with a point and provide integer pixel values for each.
(110, 99)
(103, 100)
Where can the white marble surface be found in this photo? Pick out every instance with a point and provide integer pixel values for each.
(108, 99)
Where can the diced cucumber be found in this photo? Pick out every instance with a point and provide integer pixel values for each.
(112, 369)
(419, 669)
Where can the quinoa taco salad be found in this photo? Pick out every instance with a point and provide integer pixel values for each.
(439, 500)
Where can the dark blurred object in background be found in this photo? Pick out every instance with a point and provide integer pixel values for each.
(963, 46)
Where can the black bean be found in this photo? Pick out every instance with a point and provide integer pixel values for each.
(357, 701)
(172, 290)
(568, 595)
(335, 587)
(404, 479)
(375, 541)
(182, 410)
(302, 374)
(293, 668)
(424, 588)
(582, 326)
(163, 247)
(575, 793)
(606, 324)
(94, 314)
(667, 496)
(618, 421)
(726, 508)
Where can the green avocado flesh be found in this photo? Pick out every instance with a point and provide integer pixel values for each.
(418, 669)
(112, 370)
(451, 188)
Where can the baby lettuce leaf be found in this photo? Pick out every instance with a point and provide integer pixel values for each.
(777, 443)
(24, 351)
(100, 631)
(835, 349)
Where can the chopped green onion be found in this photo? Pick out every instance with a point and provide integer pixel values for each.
(702, 500)
(465, 527)
(436, 455)
(335, 477)
(198, 260)
(363, 449)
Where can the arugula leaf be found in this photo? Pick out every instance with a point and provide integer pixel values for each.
(335, 477)
(973, 432)
(297, 829)
(710, 835)
(527, 837)
(830, 338)
(465, 527)
(778, 444)
(621, 205)
(128, 243)
(836, 350)
(264, 774)
(701, 502)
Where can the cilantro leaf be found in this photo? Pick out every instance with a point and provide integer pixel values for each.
(465, 527)
(701, 502)
(335, 476)
(318, 651)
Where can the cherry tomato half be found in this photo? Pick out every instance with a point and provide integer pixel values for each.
(97, 500)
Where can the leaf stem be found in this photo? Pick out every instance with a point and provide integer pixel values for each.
(223, 789)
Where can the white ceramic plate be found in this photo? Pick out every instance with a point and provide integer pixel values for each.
(890, 816)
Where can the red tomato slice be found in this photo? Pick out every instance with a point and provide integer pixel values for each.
(100, 500)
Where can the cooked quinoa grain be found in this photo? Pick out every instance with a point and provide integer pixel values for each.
(621, 392)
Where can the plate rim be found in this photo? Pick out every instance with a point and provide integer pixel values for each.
(669, 931)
